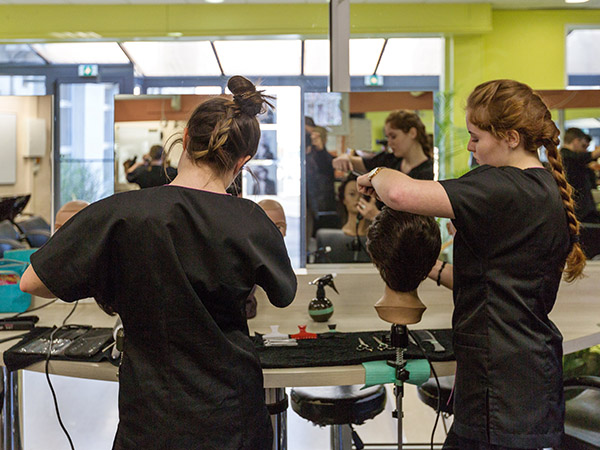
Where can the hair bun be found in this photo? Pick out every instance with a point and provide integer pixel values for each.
(246, 96)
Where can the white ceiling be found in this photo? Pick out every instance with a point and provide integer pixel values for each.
(496, 4)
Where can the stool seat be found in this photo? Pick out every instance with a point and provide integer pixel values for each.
(338, 405)
(428, 393)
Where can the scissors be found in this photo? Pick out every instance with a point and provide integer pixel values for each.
(363, 347)
(382, 346)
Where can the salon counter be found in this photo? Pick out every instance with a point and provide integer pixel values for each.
(576, 314)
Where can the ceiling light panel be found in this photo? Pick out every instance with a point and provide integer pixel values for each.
(364, 54)
(172, 59)
(82, 53)
(265, 57)
(412, 56)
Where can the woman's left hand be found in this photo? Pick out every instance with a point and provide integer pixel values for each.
(368, 208)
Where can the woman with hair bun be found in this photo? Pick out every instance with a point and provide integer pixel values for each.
(517, 234)
(411, 153)
(177, 263)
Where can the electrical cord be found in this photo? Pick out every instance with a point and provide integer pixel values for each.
(33, 309)
(48, 355)
(437, 382)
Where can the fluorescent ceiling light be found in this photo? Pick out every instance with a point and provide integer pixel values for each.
(82, 53)
(265, 57)
(576, 1)
(172, 59)
(412, 56)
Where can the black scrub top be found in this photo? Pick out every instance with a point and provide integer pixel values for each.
(151, 176)
(423, 171)
(178, 264)
(511, 244)
(577, 173)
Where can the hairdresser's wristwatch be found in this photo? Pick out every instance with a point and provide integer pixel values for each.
(374, 172)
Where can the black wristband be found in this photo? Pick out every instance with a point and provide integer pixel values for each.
(440, 272)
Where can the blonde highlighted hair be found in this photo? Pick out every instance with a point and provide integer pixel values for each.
(502, 105)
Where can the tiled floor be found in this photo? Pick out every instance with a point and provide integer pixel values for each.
(89, 411)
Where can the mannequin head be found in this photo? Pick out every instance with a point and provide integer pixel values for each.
(404, 247)
(275, 212)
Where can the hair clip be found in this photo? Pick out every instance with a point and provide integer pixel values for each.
(303, 334)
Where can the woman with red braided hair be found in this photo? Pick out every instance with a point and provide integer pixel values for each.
(517, 234)
(177, 262)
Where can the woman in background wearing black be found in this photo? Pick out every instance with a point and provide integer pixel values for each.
(177, 262)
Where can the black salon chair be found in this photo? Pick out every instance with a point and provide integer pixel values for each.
(344, 248)
(428, 394)
(340, 407)
(582, 418)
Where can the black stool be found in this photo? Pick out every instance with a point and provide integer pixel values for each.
(428, 393)
(341, 407)
(582, 415)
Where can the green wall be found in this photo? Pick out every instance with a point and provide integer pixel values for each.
(483, 43)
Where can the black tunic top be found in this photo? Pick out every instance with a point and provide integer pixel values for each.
(511, 244)
(178, 264)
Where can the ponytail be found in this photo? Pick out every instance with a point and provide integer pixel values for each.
(576, 259)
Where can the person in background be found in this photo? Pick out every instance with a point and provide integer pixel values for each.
(411, 153)
(516, 236)
(177, 263)
(150, 172)
(263, 185)
(576, 159)
(275, 212)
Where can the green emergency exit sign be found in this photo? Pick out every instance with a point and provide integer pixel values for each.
(88, 70)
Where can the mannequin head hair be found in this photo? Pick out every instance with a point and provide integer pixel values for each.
(404, 247)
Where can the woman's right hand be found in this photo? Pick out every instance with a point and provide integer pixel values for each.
(342, 163)
(368, 208)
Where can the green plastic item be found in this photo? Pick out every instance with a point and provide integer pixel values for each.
(379, 372)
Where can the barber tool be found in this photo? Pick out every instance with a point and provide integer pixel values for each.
(427, 336)
(320, 308)
(363, 346)
(18, 323)
(303, 334)
(280, 342)
(382, 346)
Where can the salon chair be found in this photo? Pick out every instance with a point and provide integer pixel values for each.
(582, 417)
(35, 230)
(9, 237)
(344, 248)
(340, 407)
(428, 394)
(590, 239)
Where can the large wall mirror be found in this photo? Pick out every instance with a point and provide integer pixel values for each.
(144, 122)
(353, 124)
(26, 171)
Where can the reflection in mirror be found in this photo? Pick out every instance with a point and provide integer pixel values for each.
(347, 135)
(144, 124)
(25, 172)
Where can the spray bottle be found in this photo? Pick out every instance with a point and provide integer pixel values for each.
(320, 308)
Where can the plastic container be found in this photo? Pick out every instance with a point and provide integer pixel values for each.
(12, 299)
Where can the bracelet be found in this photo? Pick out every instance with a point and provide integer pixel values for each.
(440, 272)
(374, 172)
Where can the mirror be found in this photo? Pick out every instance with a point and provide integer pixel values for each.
(26, 171)
(144, 121)
(349, 123)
